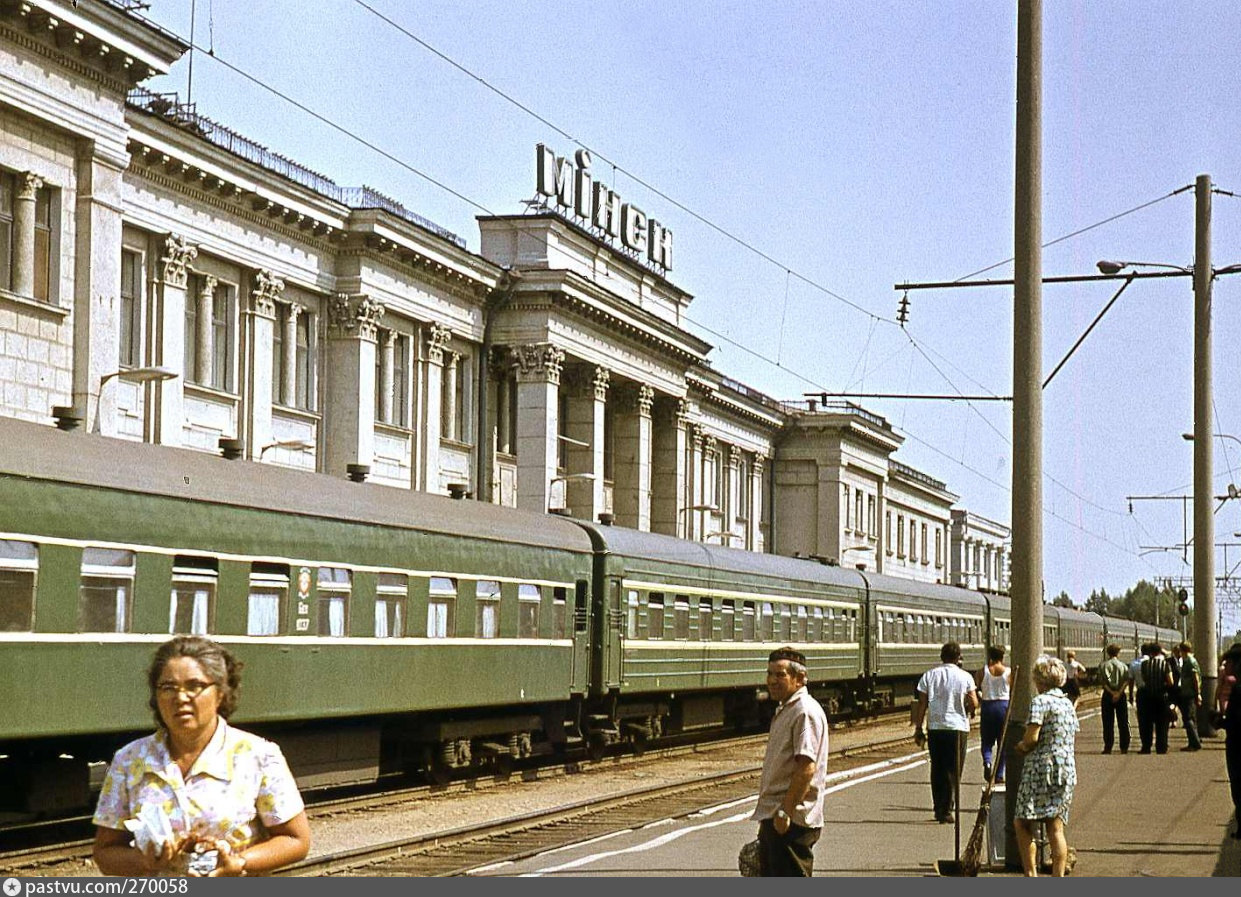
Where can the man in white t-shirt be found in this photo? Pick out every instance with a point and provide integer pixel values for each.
(946, 698)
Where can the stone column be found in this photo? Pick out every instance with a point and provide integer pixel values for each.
(452, 370)
(96, 231)
(668, 467)
(28, 186)
(288, 392)
(584, 452)
(754, 539)
(349, 415)
(205, 356)
(631, 491)
(538, 422)
(387, 366)
(169, 338)
(264, 292)
(437, 338)
(694, 526)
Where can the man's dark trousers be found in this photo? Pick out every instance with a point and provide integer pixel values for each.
(947, 750)
(1189, 719)
(1115, 715)
(790, 855)
(1153, 721)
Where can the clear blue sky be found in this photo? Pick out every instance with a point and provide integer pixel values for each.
(858, 145)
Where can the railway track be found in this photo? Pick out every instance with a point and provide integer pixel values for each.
(459, 851)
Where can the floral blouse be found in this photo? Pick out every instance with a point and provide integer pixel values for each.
(238, 786)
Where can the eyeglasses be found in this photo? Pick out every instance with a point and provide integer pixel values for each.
(190, 689)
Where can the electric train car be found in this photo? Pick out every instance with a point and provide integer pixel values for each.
(384, 630)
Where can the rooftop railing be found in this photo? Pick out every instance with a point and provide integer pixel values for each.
(168, 106)
(918, 476)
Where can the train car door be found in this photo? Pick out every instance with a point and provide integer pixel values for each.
(581, 636)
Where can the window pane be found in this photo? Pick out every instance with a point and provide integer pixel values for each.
(263, 617)
(680, 622)
(131, 309)
(529, 598)
(655, 617)
(16, 600)
(487, 589)
(393, 582)
(706, 619)
(11, 549)
(332, 615)
(441, 585)
(559, 603)
(728, 622)
(487, 619)
(224, 332)
(191, 606)
(631, 615)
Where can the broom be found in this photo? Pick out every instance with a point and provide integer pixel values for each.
(972, 857)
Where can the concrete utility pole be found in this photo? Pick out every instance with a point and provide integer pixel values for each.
(1204, 513)
(1026, 585)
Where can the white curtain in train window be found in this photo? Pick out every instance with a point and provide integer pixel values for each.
(487, 598)
(263, 617)
(191, 609)
(381, 618)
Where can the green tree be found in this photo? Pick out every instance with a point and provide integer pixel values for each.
(1100, 602)
(1062, 600)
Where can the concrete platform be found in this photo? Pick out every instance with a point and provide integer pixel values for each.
(1132, 815)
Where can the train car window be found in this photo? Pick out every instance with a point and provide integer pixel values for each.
(784, 621)
(441, 604)
(851, 635)
(728, 619)
(269, 590)
(529, 598)
(747, 621)
(801, 628)
(106, 590)
(192, 606)
(680, 617)
(19, 566)
(655, 615)
(767, 622)
(486, 608)
(559, 599)
(581, 606)
(706, 619)
(816, 626)
(335, 587)
(391, 595)
(631, 615)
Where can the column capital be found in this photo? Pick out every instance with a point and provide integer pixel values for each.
(759, 462)
(28, 185)
(600, 380)
(735, 454)
(539, 361)
(437, 340)
(175, 263)
(646, 399)
(698, 435)
(354, 316)
(267, 289)
(206, 289)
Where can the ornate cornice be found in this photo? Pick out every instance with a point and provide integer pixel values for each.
(111, 82)
(354, 316)
(175, 263)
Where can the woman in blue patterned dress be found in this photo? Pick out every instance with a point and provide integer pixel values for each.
(1049, 772)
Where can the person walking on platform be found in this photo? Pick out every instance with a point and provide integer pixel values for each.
(1189, 695)
(790, 792)
(1153, 707)
(1075, 677)
(994, 688)
(1049, 771)
(1115, 708)
(946, 698)
(1231, 707)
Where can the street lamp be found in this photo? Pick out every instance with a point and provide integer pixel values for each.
(724, 535)
(293, 445)
(155, 374)
(1232, 488)
(1109, 267)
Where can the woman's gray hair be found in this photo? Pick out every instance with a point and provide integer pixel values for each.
(1049, 672)
(216, 661)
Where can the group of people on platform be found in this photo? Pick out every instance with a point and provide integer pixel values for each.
(202, 797)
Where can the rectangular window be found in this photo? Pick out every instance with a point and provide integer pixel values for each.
(224, 342)
(800, 629)
(631, 614)
(900, 535)
(913, 540)
(728, 620)
(743, 490)
(304, 362)
(19, 565)
(486, 609)
(8, 190)
(269, 589)
(560, 600)
(335, 587)
(400, 381)
(655, 616)
(767, 622)
(529, 597)
(816, 625)
(192, 607)
(887, 532)
(441, 621)
(747, 621)
(926, 558)
(870, 517)
(131, 309)
(106, 590)
(859, 502)
(279, 373)
(706, 619)
(391, 595)
(680, 617)
(848, 507)
(939, 547)
(43, 244)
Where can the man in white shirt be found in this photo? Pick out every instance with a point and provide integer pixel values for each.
(790, 793)
(946, 698)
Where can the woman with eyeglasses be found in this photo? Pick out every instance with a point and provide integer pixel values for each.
(228, 796)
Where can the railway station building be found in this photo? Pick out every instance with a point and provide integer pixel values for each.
(164, 279)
